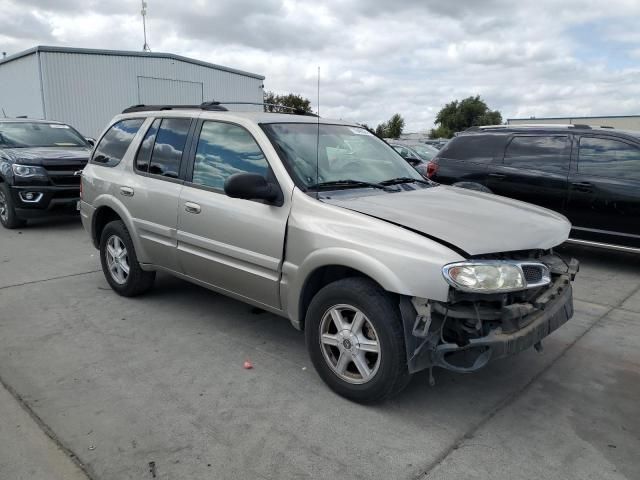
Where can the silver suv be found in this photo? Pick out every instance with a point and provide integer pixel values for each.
(323, 223)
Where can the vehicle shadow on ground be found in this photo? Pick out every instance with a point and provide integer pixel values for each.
(62, 223)
(453, 395)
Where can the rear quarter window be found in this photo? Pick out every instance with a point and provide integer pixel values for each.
(538, 152)
(114, 144)
(471, 148)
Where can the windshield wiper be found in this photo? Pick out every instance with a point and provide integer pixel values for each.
(348, 183)
(399, 180)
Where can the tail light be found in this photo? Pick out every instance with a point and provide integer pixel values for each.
(432, 168)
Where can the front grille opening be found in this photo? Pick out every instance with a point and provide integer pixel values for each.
(532, 273)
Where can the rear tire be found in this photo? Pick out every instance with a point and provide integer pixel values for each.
(364, 359)
(120, 263)
(8, 216)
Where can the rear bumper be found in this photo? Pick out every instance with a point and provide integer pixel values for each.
(53, 201)
(496, 344)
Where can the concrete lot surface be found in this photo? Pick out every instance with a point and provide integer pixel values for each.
(153, 387)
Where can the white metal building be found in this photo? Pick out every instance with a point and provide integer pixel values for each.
(622, 122)
(86, 88)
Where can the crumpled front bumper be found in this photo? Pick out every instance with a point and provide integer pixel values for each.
(516, 327)
(557, 311)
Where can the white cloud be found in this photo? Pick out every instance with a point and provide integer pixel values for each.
(378, 58)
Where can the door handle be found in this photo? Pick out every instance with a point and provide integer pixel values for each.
(582, 186)
(126, 191)
(498, 176)
(191, 207)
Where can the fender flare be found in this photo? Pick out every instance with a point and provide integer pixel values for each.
(108, 201)
(334, 256)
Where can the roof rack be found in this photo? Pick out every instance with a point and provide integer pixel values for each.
(152, 108)
(530, 125)
(212, 106)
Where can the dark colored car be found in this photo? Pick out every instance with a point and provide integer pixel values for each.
(39, 161)
(589, 174)
(437, 143)
(418, 155)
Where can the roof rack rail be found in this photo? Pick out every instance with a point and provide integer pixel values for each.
(607, 126)
(213, 106)
(295, 111)
(152, 108)
(581, 125)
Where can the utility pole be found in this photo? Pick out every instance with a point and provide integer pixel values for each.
(143, 12)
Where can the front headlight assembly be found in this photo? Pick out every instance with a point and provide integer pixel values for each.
(495, 276)
(28, 170)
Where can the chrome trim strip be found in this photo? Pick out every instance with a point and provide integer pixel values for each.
(609, 246)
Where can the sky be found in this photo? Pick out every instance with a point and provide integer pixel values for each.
(524, 58)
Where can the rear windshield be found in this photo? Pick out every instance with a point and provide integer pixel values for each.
(470, 148)
(38, 134)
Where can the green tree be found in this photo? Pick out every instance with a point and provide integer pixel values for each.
(459, 115)
(292, 100)
(391, 129)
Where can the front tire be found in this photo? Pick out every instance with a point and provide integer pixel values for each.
(120, 263)
(8, 216)
(355, 340)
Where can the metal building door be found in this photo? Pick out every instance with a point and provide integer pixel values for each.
(163, 91)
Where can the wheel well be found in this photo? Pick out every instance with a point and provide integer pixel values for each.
(320, 278)
(102, 216)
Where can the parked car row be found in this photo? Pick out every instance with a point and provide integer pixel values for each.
(38, 164)
(591, 175)
(321, 222)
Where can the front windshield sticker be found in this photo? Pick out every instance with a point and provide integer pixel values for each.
(360, 131)
(55, 125)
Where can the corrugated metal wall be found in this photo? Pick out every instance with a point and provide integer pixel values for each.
(87, 90)
(20, 87)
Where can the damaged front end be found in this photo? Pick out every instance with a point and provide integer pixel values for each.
(472, 328)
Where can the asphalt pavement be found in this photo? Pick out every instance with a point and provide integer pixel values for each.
(154, 387)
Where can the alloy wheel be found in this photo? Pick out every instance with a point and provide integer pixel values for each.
(350, 344)
(4, 209)
(117, 259)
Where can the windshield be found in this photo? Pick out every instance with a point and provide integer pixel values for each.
(425, 151)
(342, 152)
(38, 134)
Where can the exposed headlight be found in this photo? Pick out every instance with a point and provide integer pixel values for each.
(28, 170)
(487, 277)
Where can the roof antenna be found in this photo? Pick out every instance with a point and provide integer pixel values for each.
(318, 141)
(4, 113)
(143, 12)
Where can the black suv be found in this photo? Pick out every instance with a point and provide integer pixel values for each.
(589, 174)
(39, 160)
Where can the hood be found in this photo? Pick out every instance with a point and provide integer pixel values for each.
(474, 222)
(49, 155)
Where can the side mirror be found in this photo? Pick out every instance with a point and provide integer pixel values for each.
(413, 160)
(91, 141)
(250, 186)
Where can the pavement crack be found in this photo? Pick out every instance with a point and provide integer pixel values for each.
(511, 398)
(48, 431)
(32, 282)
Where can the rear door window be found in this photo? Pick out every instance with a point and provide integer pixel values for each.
(605, 157)
(146, 148)
(114, 144)
(168, 147)
(471, 148)
(546, 153)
